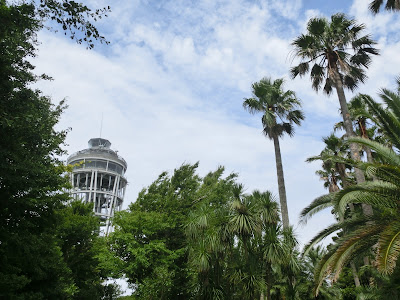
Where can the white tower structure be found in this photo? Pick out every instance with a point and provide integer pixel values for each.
(98, 177)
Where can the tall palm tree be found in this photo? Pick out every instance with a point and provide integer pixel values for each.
(392, 5)
(280, 111)
(336, 54)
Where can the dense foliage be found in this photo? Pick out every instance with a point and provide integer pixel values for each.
(188, 237)
(47, 245)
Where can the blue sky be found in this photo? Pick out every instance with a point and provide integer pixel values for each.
(172, 81)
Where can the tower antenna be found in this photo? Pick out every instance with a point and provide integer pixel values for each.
(101, 124)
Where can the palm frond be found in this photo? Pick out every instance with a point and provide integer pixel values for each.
(316, 206)
(253, 105)
(320, 236)
(386, 153)
(375, 193)
(375, 6)
(346, 249)
(388, 248)
(386, 120)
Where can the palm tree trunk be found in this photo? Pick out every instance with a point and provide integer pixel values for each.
(354, 151)
(364, 134)
(368, 151)
(355, 274)
(341, 169)
(355, 155)
(281, 183)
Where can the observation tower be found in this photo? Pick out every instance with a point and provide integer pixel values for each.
(98, 177)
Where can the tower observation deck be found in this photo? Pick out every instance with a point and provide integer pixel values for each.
(98, 177)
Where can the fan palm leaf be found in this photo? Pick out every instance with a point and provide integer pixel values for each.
(391, 5)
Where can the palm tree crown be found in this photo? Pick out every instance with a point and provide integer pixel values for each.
(333, 47)
(275, 105)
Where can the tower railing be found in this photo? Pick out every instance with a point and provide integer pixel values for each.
(98, 177)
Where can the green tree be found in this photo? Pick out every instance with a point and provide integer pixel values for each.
(333, 155)
(339, 55)
(280, 112)
(71, 17)
(78, 235)
(31, 175)
(149, 237)
(305, 278)
(210, 239)
(360, 115)
(238, 248)
(362, 232)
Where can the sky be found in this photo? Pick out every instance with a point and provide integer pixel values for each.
(171, 83)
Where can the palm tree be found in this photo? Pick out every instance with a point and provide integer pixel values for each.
(382, 230)
(274, 248)
(280, 111)
(335, 152)
(392, 5)
(388, 120)
(339, 55)
(360, 115)
(237, 246)
(333, 157)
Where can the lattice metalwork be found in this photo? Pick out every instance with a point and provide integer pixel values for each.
(98, 177)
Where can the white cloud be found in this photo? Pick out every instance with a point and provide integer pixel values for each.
(381, 24)
(289, 9)
(172, 82)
